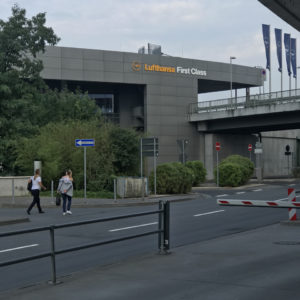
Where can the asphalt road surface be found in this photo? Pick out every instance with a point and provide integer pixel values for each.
(191, 221)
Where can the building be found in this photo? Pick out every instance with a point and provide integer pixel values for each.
(148, 92)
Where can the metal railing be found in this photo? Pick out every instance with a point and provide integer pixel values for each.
(245, 102)
(163, 232)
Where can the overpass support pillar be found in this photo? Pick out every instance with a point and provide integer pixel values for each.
(209, 155)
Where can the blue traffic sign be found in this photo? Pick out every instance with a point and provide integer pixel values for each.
(85, 143)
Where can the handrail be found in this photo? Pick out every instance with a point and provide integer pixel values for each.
(162, 231)
(245, 102)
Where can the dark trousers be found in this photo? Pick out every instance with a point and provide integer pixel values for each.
(65, 199)
(36, 200)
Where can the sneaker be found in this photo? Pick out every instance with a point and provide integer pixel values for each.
(69, 212)
(64, 213)
(28, 212)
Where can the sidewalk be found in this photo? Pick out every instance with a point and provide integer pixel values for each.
(47, 202)
(259, 264)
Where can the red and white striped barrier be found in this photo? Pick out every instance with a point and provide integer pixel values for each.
(291, 204)
(291, 199)
(259, 203)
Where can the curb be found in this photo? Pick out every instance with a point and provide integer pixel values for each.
(290, 223)
(113, 204)
(13, 221)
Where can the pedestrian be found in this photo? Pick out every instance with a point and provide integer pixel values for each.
(35, 191)
(65, 187)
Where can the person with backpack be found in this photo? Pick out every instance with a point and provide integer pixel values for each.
(37, 184)
(65, 188)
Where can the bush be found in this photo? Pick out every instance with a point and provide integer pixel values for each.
(243, 167)
(172, 178)
(230, 174)
(296, 172)
(198, 170)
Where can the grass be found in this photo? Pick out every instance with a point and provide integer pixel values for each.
(80, 194)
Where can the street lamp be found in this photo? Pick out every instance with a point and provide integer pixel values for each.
(231, 58)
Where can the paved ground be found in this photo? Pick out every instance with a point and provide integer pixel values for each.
(259, 264)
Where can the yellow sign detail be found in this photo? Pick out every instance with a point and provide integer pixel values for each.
(158, 68)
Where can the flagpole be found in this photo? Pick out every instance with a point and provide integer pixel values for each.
(290, 80)
(270, 86)
(296, 75)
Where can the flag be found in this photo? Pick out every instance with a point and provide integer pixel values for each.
(278, 38)
(287, 45)
(294, 57)
(266, 36)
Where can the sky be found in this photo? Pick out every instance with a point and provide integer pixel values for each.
(210, 30)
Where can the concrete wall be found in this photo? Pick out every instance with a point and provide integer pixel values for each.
(276, 163)
(230, 144)
(16, 185)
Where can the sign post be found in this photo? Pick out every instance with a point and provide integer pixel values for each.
(250, 149)
(84, 143)
(288, 153)
(218, 147)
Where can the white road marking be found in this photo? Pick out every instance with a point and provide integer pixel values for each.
(209, 213)
(224, 195)
(239, 193)
(258, 190)
(19, 248)
(292, 184)
(131, 227)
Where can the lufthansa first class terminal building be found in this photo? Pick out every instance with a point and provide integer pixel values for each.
(148, 92)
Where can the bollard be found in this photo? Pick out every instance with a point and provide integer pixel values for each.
(292, 198)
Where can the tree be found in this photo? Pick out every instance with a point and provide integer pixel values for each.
(55, 147)
(125, 147)
(21, 39)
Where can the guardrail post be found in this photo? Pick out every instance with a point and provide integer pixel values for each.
(166, 241)
(53, 254)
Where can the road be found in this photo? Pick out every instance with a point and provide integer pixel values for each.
(191, 221)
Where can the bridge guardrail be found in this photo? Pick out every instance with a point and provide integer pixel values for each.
(163, 232)
(245, 102)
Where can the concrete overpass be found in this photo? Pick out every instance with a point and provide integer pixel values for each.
(248, 115)
(288, 10)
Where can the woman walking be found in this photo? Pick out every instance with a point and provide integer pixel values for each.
(65, 187)
(35, 191)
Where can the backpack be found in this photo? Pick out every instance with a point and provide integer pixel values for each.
(29, 185)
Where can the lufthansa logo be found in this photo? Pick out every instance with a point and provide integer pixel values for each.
(136, 66)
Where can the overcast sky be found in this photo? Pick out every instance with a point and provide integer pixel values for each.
(201, 29)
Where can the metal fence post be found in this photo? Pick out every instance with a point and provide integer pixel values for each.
(52, 191)
(160, 227)
(53, 254)
(13, 190)
(115, 190)
(166, 241)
